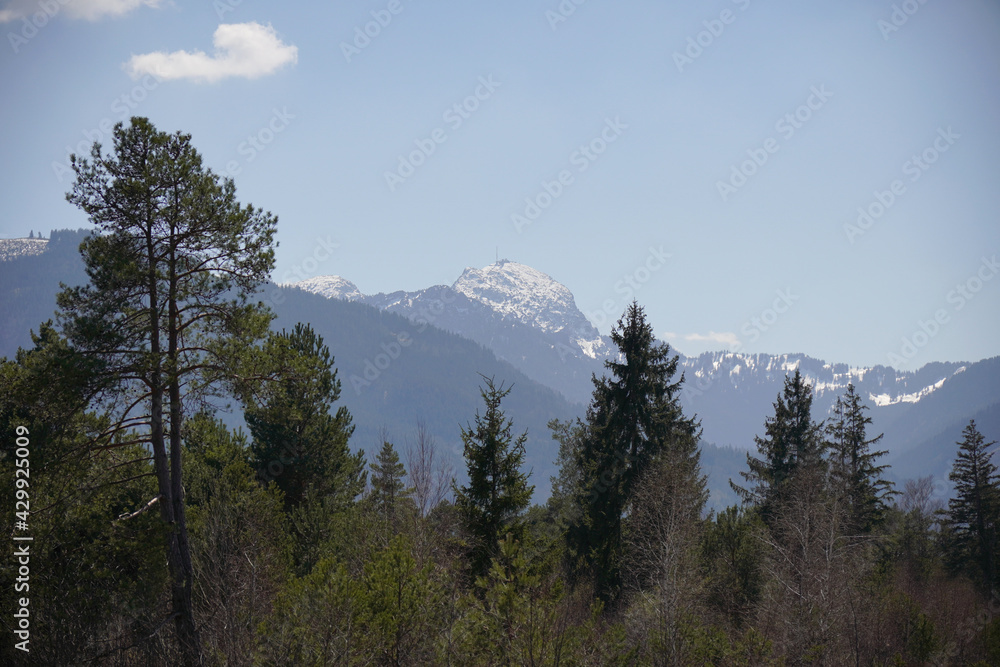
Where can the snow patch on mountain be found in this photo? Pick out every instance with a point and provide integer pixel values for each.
(882, 400)
(881, 385)
(14, 248)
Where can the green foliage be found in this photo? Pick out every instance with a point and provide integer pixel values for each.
(990, 637)
(294, 571)
(563, 502)
(515, 618)
(731, 556)
(854, 475)
(388, 615)
(792, 445)
(297, 442)
(399, 607)
(389, 497)
(634, 418)
(165, 317)
(923, 641)
(240, 547)
(493, 503)
(973, 515)
(96, 580)
(314, 620)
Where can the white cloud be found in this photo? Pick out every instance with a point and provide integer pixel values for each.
(247, 50)
(725, 337)
(90, 10)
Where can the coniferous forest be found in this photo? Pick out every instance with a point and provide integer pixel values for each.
(162, 536)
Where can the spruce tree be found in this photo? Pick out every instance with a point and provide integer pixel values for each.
(493, 503)
(792, 445)
(634, 420)
(973, 514)
(854, 474)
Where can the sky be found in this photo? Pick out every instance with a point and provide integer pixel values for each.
(779, 177)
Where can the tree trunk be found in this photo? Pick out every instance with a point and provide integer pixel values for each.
(181, 570)
(168, 483)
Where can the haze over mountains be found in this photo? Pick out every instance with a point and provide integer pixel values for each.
(415, 356)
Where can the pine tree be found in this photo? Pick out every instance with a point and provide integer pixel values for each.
(497, 495)
(792, 445)
(973, 515)
(634, 420)
(31, 234)
(299, 442)
(854, 474)
(167, 312)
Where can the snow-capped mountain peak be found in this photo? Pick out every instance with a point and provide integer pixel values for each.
(518, 292)
(332, 287)
(522, 293)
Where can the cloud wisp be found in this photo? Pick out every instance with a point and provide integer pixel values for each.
(89, 10)
(247, 50)
(727, 338)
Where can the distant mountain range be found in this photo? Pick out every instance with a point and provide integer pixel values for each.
(531, 321)
(416, 356)
(521, 314)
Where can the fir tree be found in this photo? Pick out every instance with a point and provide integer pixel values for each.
(634, 419)
(973, 514)
(792, 444)
(854, 473)
(497, 495)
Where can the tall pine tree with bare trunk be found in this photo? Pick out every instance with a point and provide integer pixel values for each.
(167, 314)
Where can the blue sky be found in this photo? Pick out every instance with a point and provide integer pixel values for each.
(708, 159)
